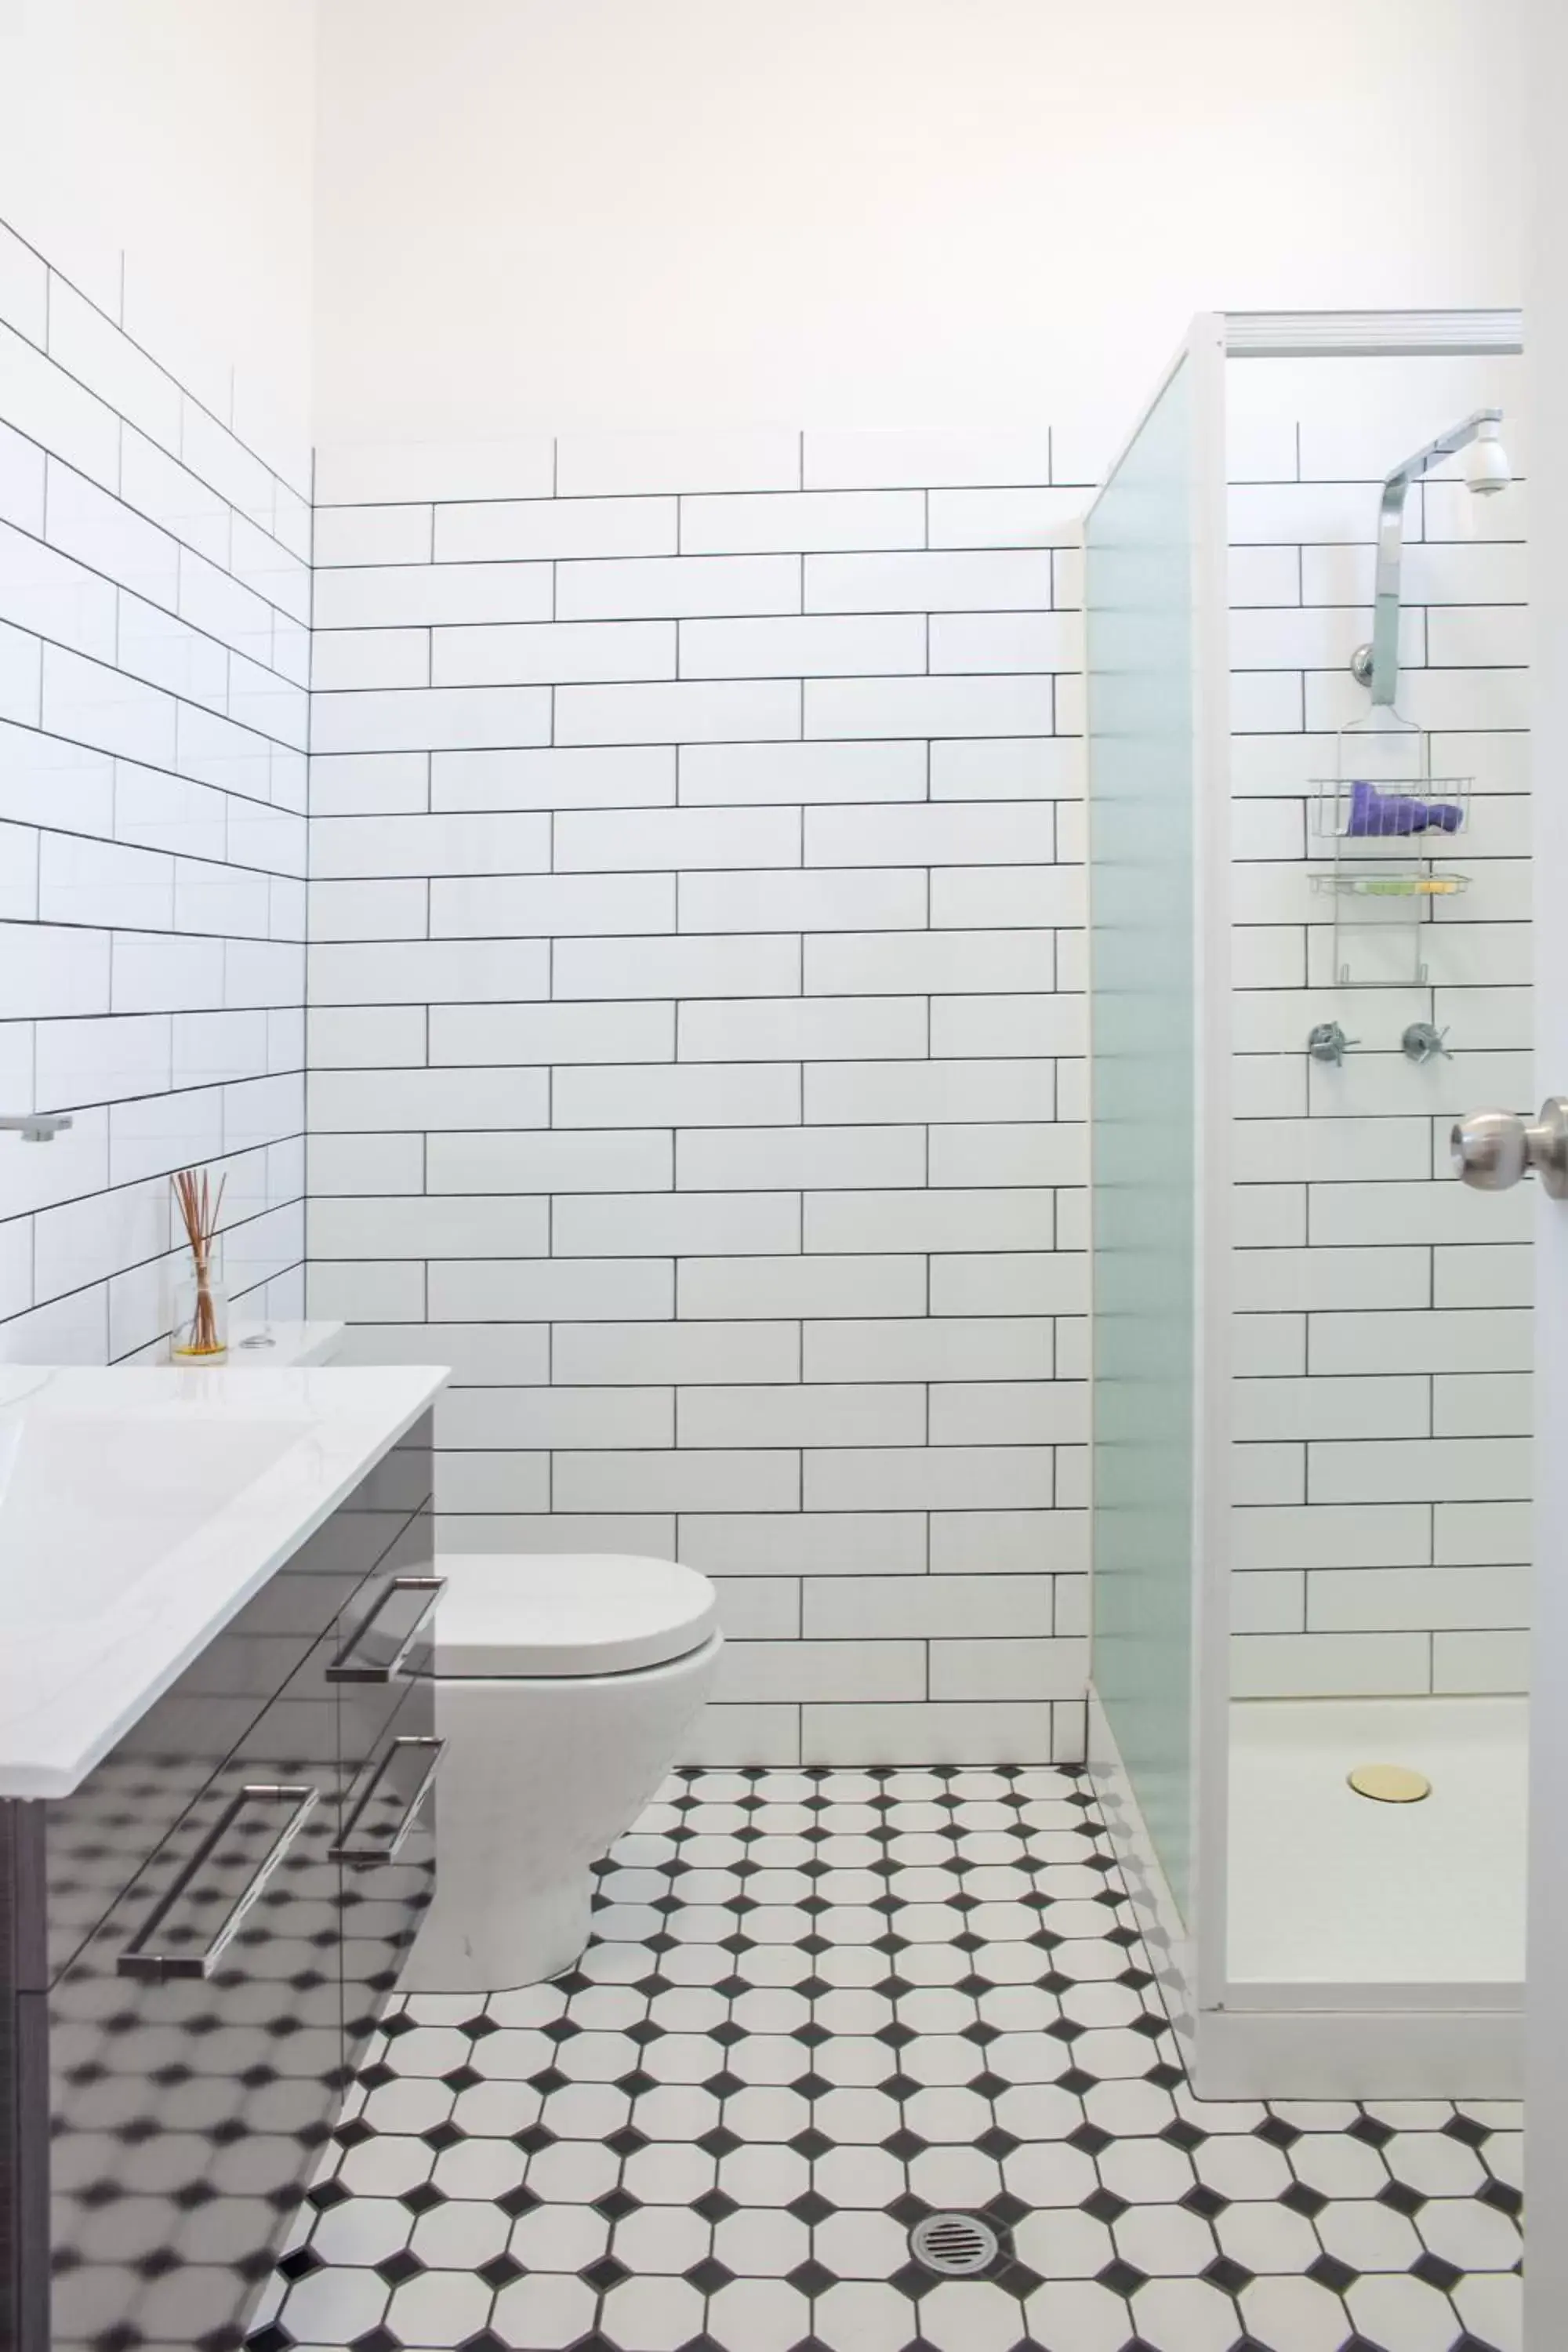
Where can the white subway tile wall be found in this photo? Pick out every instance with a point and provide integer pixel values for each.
(696, 1067)
(1382, 1330)
(154, 630)
(696, 1028)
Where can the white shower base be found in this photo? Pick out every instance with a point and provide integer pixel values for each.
(1374, 1951)
(1329, 1889)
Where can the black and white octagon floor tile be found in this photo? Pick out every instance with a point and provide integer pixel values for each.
(817, 2007)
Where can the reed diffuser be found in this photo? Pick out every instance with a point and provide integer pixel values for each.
(201, 1316)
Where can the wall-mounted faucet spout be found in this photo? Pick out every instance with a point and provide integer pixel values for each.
(33, 1126)
(1487, 470)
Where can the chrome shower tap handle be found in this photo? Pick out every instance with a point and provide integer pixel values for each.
(1422, 1043)
(1328, 1043)
(1491, 1150)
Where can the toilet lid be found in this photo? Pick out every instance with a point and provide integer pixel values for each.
(566, 1614)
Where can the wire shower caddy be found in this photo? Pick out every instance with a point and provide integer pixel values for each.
(1388, 835)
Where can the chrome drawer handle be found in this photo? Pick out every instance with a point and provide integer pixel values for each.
(348, 1668)
(137, 1961)
(360, 1848)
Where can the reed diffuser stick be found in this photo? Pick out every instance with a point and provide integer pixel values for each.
(200, 1208)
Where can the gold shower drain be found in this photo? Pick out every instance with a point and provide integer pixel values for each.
(1390, 1784)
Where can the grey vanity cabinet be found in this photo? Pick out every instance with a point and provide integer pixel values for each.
(220, 1910)
(185, 2106)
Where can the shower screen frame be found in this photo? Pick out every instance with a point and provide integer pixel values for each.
(1181, 1905)
(1240, 2041)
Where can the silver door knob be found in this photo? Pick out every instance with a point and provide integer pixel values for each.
(1491, 1150)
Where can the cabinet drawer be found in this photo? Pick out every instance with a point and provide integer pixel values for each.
(196, 2044)
(100, 1837)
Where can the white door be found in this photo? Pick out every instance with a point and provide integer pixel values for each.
(1546, 2064)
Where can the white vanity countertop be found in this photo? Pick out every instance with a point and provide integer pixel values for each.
(271, 1346)
(138, 1511)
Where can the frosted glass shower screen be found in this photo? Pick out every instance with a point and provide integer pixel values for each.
(1145, 852)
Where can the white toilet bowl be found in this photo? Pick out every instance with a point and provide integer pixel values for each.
(565, 1687)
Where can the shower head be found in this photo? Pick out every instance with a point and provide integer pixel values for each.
(1487, 468)
(1479, 440)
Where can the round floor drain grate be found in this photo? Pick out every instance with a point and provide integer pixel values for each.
(954, 2245)
(1390, 1784)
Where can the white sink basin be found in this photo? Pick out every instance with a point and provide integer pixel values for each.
(138, 1511)
(55, 1471)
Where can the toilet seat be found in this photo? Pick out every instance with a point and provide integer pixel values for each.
(561, 1616)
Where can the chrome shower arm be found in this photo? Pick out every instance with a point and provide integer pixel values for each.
(1383, 671)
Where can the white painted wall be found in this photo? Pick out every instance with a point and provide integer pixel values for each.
(159, 153)
(875, 212)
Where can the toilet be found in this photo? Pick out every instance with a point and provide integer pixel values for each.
(565, 1687)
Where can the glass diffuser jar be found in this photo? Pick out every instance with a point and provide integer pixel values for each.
(201, 1313)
